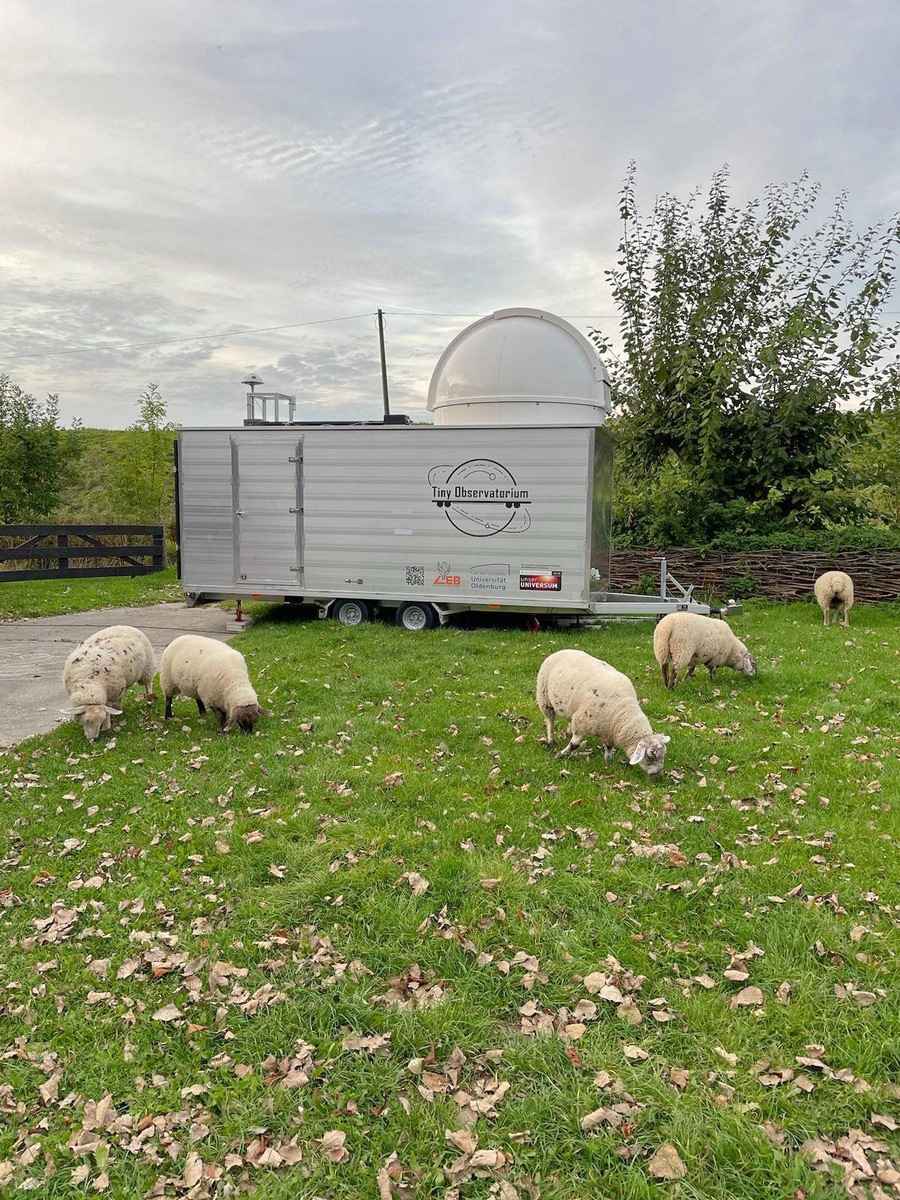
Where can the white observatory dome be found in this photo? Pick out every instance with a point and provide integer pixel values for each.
(519, 366)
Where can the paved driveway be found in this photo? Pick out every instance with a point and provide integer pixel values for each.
(33, 653)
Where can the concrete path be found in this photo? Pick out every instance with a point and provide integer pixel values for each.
(33, 653)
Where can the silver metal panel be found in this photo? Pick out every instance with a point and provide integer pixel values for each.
(213, 538)
(601, 507)
(266, 471)
(413, 512)
(206, 510)
(488, 516)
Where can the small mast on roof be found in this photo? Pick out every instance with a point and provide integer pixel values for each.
(258, 404)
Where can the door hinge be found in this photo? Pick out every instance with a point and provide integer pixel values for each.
(295, 510)
(354, 581)
(296, 459)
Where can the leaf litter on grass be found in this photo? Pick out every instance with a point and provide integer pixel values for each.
(754, 949)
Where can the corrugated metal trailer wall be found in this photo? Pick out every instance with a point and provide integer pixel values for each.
(511, 516)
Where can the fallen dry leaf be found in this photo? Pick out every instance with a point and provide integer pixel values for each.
(745, 997)
(665, 1163)
(629, 1012)
(168, 1013)
(331, 1146)
(378, 1041)
(462, 1139)
(418, 883)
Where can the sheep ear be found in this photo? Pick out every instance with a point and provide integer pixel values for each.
(113, 712)
(228, 725)
(637, 756)
(265, 712)
(73, 712)
(664, 737)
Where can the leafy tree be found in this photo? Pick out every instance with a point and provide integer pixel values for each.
(36, 456)
(143, 475)
(744, 332)
(876, 461)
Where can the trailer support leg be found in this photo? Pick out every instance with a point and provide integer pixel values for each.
(532, 624)
(239, 613)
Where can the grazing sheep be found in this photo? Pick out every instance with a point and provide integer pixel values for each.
(600, 702)
(213, 674)
(834, 592)
(687, 640)
(99, 672)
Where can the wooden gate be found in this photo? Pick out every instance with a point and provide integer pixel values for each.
(49, 551)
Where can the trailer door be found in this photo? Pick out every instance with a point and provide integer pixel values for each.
(267, 490)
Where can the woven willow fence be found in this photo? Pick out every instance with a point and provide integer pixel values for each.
(770, 574)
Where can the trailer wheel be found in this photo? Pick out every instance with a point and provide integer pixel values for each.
(416, 616)
(351, 612)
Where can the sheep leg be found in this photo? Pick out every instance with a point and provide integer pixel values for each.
(201, 707)
(665, 674)
(608, 752)
(712, 674)
(673, 678)
(223, 720)
(574, 742)
(168, 708)
(549, 721)
(691, 670)
(845, 616)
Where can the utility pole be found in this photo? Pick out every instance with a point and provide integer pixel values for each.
(384, 385)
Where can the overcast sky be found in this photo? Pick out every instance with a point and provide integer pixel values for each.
(194, 167)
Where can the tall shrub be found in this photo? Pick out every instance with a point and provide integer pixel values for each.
(143, 475)
(37, 456)
(744, 330)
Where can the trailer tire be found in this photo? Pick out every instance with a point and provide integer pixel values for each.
(416, 616)
(351, 612)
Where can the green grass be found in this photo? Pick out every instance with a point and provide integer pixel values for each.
(51, 597)
(394, 753)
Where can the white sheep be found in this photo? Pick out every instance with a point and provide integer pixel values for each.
(687, 641)
(600, 702)
(215, 675)
(99, 672)
(834, 592)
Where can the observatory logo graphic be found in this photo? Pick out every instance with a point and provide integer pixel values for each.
(480, 497)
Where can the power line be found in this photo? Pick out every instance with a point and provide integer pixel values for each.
(416, 312)
(233, 333)
(202, 337)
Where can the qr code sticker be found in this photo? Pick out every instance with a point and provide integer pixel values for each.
(415, 576)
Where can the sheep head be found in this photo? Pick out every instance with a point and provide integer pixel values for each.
(93, 718)
(650, 754)
(246, 717)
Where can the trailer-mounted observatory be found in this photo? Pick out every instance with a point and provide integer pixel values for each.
(503, 504)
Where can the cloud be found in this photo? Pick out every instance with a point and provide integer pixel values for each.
(173, 171)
